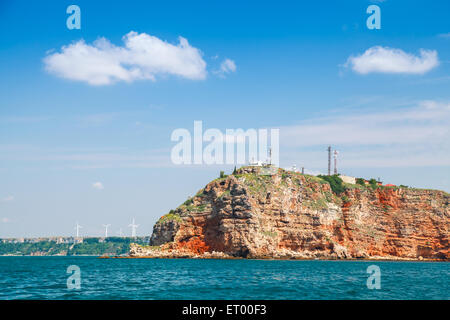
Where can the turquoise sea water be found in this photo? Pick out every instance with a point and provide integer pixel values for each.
(46, 278)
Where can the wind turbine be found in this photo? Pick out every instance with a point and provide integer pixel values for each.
(133, 226)
(106, 229)
(120, 233)
(78, 227)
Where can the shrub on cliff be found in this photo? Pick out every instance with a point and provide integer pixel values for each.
(373, 183)
(169, 217)
(360, 181)
(335, 182)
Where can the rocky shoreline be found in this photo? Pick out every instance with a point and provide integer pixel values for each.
(142, 252)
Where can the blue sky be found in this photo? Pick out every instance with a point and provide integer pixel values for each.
(306, 68)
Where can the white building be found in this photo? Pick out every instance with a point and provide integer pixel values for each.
(348, 179)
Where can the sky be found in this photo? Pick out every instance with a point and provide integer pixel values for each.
(86, 115)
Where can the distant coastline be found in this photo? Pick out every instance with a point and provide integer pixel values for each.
(68, 246)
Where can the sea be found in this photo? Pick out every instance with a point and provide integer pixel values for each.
(67, 278)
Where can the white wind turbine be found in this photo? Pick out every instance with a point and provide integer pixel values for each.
(133, 226)
(78, 227)
(106, 229)
(120, 233)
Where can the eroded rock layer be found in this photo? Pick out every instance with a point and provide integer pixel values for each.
(290, 215)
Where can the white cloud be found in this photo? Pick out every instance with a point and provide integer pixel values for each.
(390, 60)
(97, 119)
(7, 199)
(88, 158)
(445, 35)
(228, 66)
(404, 134)
(98, 185)
(417, 135)
(427, 122)
(142, 57)
(25, 120)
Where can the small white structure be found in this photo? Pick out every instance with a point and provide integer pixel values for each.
(260, 163)
(256, 164)
(348, 179)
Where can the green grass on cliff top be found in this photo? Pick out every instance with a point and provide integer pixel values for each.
(169, 217)
(262, 184)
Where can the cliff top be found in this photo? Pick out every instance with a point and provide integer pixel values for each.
(260, 181)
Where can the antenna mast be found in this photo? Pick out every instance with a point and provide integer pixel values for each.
(270, 156)
(329, 160)
(335, 161)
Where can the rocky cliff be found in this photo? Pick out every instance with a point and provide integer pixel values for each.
(289, 215)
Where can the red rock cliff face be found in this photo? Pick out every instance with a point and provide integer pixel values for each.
(289, 215)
